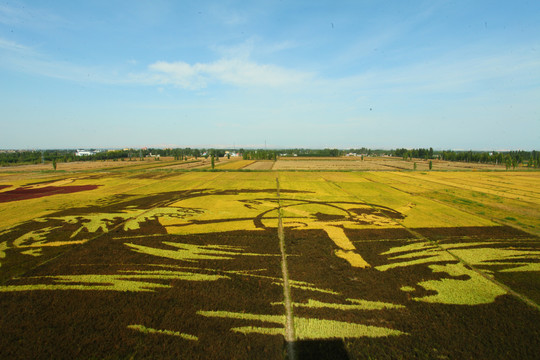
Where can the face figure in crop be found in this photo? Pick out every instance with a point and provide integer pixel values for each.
(239, 213)
(334, 218)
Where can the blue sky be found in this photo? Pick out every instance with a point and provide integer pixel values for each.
(380, 74)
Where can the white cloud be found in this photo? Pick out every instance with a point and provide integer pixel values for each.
(236, 71)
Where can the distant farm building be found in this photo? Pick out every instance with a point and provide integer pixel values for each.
(84, 153)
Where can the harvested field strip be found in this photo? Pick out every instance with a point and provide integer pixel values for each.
(325, 165)
(261, 165)
(234, 164)
(185, 165)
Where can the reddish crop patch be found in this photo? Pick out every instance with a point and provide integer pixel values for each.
(24, 193)
(4, 186)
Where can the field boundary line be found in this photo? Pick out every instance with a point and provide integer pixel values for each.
(289, 322)
(419, 236)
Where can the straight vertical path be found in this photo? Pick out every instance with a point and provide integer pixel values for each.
(289, 322)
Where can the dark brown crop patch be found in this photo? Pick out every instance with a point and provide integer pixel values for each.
(96, 323)
(505, 327)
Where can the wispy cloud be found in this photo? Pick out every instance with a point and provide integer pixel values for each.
(227, 16)
(22, 58)
(458, 72)
(237, 72)
(21, 14)
(12, 46)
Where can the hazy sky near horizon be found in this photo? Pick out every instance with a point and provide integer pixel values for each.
(380, 74)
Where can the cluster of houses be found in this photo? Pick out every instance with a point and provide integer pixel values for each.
(86, 152)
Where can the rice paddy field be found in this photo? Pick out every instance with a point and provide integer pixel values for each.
(161, 261)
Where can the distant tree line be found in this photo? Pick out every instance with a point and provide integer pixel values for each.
(413, 153)
(259, 155)
(35, 157)
(510, 159)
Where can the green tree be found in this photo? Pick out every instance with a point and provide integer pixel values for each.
(212, 162)
(430, 164)
(415, 166)
(54, 164)
(508, 162)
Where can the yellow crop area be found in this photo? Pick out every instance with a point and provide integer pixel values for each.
(165, 257)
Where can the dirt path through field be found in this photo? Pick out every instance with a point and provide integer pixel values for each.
(289, 324)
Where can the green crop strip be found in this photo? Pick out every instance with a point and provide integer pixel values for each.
(417, 254)
(248, 273)
(474, 291)
(407, 288)
(328, 329)
(305, 328)
(3, 248)
(120, 282)
(479, 254)
(192, 253)
(145, 330)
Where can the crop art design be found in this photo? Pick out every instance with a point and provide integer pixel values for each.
(262, 213)
(160, 230)
(192, 266)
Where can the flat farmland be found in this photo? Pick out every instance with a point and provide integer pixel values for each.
(375, 164)
(158, 262)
